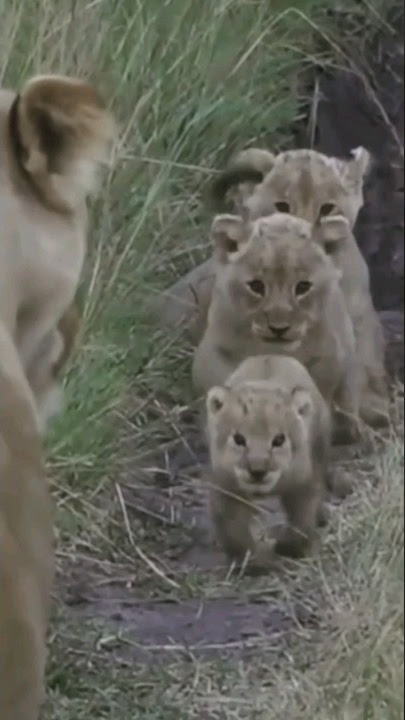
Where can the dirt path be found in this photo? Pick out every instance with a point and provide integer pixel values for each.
(195, 607)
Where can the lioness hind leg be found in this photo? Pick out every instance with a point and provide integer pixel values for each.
(23, 641)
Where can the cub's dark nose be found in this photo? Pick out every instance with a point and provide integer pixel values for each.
(257, 475)
(279, 331)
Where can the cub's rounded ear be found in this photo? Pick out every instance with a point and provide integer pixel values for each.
(216, 399)
(354, 170)
(228, 233)
(332, 232)
(302, 402)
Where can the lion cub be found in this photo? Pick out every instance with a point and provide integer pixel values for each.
(269, 435)
(304, 183)
(329, 192)
(278, 292)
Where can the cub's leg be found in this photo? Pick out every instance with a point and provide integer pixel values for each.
(339, 387)
(232, 520)
(347, 401)
(374, 398)
(185, 304)
(211, 365)
(304, 508)
(325, 474)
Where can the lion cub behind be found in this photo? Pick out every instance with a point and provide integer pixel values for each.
(277, 292)
(269, 435)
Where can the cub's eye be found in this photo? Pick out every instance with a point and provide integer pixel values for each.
(278, 440)
(239, 439)
(326, 209)
(282, 207)
(256, 286)
(303, 287)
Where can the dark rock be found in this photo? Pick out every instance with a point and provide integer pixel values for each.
(368, 109)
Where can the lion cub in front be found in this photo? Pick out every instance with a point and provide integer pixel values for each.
(269, 435)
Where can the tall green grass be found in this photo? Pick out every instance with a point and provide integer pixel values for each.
(189, 82)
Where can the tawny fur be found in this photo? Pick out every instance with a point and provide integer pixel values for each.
(287, 373)
(54, 135)
(314, 185)
(317, 188)
(276, 253)
(25, 543)
(269, 435)
(335, 235)
(50, 359)
(183, 308)
(309, 180)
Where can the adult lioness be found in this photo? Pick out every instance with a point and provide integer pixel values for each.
(269, 433)
(53, 135)
(278, 292)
